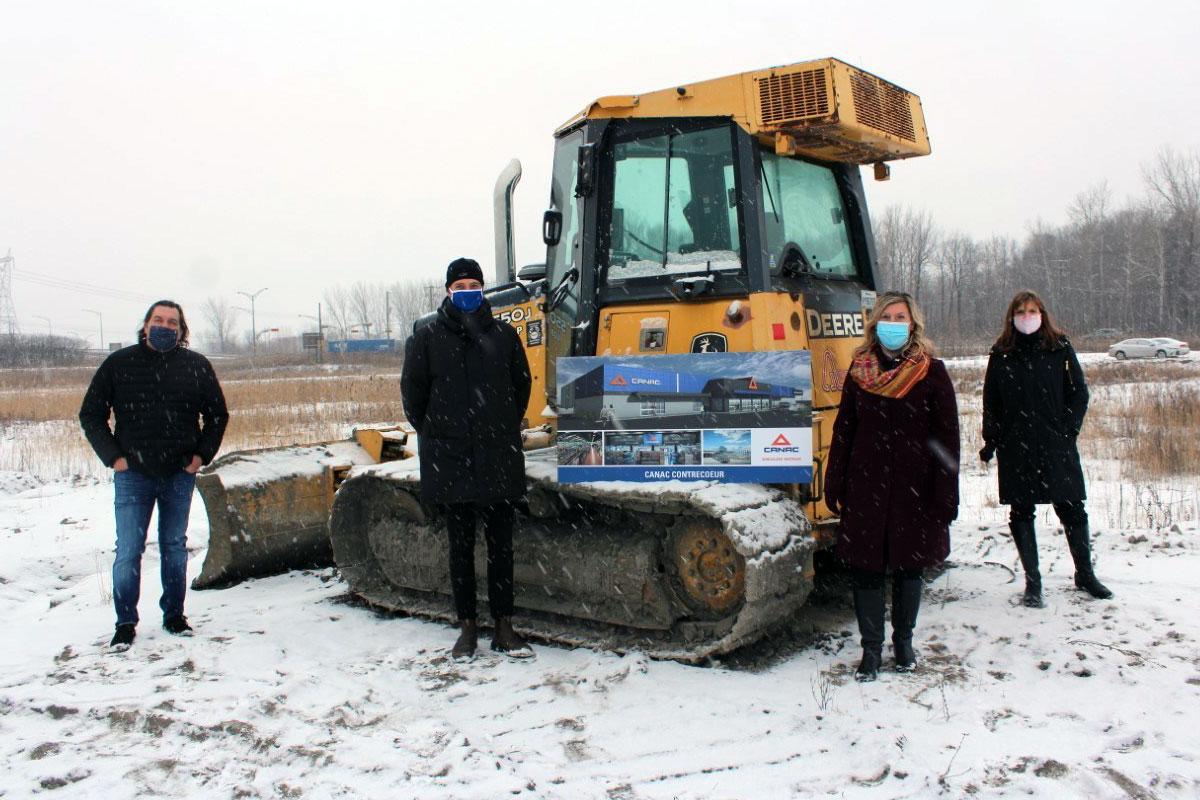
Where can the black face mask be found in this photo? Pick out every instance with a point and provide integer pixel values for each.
(162, 339)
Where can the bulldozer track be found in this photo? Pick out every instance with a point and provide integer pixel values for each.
(678, 571)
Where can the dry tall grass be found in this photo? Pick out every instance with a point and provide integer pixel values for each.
(1144, 415)
(39, 429)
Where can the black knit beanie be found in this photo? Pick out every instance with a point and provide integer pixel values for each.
(463, 268)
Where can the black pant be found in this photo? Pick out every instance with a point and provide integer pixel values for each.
(869, 579)
(1068, 513)
(497, 530)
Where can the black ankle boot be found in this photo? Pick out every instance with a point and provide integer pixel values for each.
(1025, 538)
(1078, 539)
(468, 639)
(869, 608)
(906, 602)
(505, 640)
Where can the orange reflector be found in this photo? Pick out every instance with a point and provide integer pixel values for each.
(777, 330)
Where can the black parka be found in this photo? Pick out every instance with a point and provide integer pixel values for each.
(893, 474)
(158, 401)
(465, 386)
(1034, 402)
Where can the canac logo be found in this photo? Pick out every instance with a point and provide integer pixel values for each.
(618, 380)
(781, 445)
(753, 384)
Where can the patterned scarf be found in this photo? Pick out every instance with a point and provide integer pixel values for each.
(895, 382)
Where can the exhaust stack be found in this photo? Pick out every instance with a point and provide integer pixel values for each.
(502, 211)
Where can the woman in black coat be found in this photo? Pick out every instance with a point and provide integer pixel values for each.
(1034, 402)
(465, 385)
(893, 473)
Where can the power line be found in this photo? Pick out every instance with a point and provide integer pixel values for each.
(76, 286)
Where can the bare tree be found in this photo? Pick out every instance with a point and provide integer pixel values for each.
(222, 319)
(1174, 182)
(338, 311)
(1089, 217)
(959, 257)
(905, 242)
(366, 305)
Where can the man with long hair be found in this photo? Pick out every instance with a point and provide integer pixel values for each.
(170, 417)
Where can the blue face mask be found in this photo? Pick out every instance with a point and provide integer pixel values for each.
(162, 339)
(467, 300)
(892, 335)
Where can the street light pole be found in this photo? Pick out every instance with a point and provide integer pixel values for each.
(253, 322)
(101, 316)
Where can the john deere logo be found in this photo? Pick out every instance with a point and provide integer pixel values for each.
(710, 343)
(618, 381)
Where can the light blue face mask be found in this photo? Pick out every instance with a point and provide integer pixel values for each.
(892, 335)
(467, 300)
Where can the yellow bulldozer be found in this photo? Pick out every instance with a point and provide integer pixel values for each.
(725, 215)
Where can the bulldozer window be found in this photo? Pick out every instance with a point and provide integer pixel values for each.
(671, 206)
(801, 203)
(561, 258)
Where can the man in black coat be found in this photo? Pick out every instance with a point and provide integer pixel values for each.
(159, 392)
(465, 385)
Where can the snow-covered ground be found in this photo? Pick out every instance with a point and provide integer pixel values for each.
(287, 690)
(290, 690)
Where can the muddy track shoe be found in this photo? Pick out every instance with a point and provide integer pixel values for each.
(177, 626)
(123, 638)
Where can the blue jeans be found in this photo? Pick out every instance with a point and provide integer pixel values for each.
(136, 496)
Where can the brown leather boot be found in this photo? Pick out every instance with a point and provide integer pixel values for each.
(505, 640)
(468, 638)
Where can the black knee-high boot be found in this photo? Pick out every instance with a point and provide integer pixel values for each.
(1025, 538)
(869, 608)
(906, 602)
(1078, 539)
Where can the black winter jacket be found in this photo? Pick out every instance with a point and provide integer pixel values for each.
(158, 400)
(1034, 402)
(465, 386)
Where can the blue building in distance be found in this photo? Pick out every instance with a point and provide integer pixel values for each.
(611, 392)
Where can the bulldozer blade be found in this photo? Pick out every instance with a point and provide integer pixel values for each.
(268, 510)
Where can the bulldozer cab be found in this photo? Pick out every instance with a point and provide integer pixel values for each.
(728, 188)
(683, 209)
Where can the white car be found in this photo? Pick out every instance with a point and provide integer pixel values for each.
(1182, 347)
(1148, 348)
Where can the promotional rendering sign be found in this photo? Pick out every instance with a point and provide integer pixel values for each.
(707, 416)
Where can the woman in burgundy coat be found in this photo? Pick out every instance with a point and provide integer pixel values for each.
(893, 473)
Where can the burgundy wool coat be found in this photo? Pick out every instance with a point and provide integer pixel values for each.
(893, 474)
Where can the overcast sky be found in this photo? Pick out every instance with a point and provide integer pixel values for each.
(171, 149)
